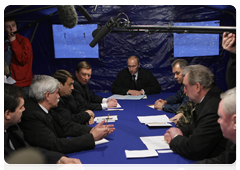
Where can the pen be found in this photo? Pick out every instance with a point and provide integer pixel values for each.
(107, 120)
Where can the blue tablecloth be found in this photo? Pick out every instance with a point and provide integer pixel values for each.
(127, 135)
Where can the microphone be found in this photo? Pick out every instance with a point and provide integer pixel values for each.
(67, 15)
(104, 30)
(84, 12)
(25, 159)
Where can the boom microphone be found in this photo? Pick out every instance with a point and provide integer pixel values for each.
(25, 159)
(104, 30)
(84, 12)
(67, 15)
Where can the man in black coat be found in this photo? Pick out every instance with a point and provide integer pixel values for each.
(82, 93)
(204, 138)
(227, 121)
(13, 136)
(45, 128)
(135, 80)
(229, 44)
(67, 107)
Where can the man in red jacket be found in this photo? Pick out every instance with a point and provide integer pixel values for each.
(17, 54)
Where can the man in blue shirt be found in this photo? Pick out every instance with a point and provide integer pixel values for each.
(172, 103)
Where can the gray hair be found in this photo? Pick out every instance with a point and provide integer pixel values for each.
(229, 101)
(199, 74)
(182, 63)
(42, 84)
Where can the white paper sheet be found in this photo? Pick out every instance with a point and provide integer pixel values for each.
(126, 97)
(153, 119)
(112, 118)
(165, 151)
(155, 142)
(101, 141)
(158, 124)
(140, 153)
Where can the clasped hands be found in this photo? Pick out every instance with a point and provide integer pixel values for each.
(135, 92)
(112, 103)
(100, 131)
(159, 104)
(171, 134)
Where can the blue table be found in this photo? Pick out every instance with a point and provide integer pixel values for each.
(127, 135)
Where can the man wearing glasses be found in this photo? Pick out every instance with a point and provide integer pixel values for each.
(81, 91)
(135, 80)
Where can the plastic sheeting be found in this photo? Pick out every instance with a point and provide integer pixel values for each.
(154, 50)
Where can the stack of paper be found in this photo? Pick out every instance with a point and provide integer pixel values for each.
(141, 153)
(158, 120)
(111, 118)
(155, 142)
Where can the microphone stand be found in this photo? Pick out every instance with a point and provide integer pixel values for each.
(176, 29)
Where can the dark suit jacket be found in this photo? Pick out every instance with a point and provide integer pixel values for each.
(87, 100)
(69, 109)
(50, 131)
(204, 138)
(14, 134)
(227, 157)
(145, 81)
(175, 101)
(231, 71)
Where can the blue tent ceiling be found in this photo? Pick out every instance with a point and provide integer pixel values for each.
(155, 51)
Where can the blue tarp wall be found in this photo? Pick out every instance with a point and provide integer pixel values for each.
(154, 50)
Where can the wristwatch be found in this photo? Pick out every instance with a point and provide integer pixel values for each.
(163, 107)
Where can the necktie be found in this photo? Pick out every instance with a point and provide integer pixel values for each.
(134, 82)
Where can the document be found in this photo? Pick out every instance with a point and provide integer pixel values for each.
(158, 124)
(140, 153)
(101, 141)
(111, 118)
(155, 142)
(165, 151)
(9, 80)
(153, 119)
(126, 97)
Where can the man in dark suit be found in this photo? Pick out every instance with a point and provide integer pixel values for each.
(45, 128)
(135, 80)
(227, 121)
(172, 103)
(229, 44)
(67, 107)
(82, 93)
(203, 139)
(13, 136)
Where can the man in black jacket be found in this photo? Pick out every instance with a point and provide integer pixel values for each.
(67, 107)
(135, 80)
(227, 121)
(82, 93)
(13, 136)
(45, 128)
(203, 139)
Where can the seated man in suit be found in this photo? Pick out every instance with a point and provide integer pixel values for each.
(227, 121)
(67, 107)
(13, 136)
(135, 80)
(45, 128)
(172, 103)
(81, 91)
(203, 139)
